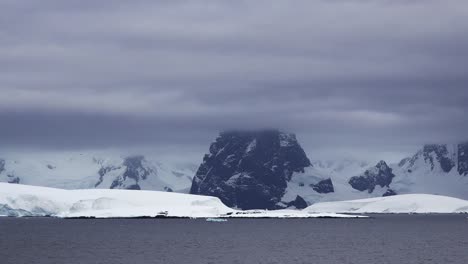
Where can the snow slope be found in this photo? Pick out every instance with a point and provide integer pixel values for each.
(434, 169)
(24, 200)
(407, 203)
(425, 172)
(76, 170)
(339, 171)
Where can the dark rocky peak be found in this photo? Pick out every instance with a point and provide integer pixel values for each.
(380, 175)
(382, 166)
(462, 149)
(262, 145)
(441, 153)
(250, 169)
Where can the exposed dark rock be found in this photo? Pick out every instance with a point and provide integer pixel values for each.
(324, 186)
(403, 162)
(380, 175)
(389, 192)
(463, 159)
(103, 171)
(134, 170)
(299, 203)
(167, 189)
(130, 187)
(441, 153)
(250, 170)
(2, 165)
(13, 179)
(50, 167)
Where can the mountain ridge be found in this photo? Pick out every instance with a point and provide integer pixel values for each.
(297, 180)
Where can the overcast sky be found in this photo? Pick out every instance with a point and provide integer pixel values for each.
(379, 77)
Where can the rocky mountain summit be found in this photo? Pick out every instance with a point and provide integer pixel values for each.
(379, 175)
(251, 169)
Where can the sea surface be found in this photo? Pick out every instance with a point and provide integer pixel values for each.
(405, 239)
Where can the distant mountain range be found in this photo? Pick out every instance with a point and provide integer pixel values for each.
(253, 169)
(84, 171)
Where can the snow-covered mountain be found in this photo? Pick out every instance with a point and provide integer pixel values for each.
(259, 169)
(85, 170)
(256, 169)
(436, 168)
(277, 173)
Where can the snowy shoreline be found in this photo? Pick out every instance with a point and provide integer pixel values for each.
(18, 200)
(29, 201)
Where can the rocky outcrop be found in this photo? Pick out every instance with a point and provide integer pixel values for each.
(250, 170)
(389, 192)
(298, 203)
(134, 172)
(463, 158)
(439, 158)
(439, 153)
(323, 186)
(13, 179)
(380, 175)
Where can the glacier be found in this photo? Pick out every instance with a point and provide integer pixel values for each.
(17, 200)
(405, 203)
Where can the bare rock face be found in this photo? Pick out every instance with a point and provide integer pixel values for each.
(433, 155)
(250, 170)
(389, 192)
(463, 159)
(135, 171)
(440, 154)
(380, 175)
(441, 158)
(298, 203)
(323, 186)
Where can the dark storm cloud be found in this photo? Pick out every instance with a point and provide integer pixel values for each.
(357, 74)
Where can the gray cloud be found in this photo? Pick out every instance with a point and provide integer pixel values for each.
(363, 75)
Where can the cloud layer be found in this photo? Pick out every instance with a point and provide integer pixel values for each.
(341, 74)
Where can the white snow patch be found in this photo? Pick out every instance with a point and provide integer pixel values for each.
(251, 146)
(409, 203)
(24, 200)
(287, 140)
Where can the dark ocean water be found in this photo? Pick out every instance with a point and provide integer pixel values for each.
(403, 239)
